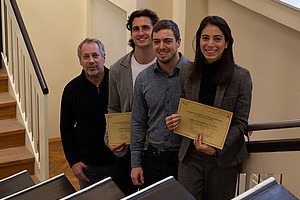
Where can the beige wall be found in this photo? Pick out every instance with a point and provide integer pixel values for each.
(164, 9)
(265, 47)
(55, 28)
(196, 10)
(109, 26)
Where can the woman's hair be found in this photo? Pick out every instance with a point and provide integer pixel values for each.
(225, 72)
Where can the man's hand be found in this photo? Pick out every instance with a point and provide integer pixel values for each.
(78, 173)
(173, 121)
(117, 148)
(207, 149)
(137, 176)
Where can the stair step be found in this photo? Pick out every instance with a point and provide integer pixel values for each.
(14, 160)
(7, 106)
(35, 179)
(3, 80)
(12, 133)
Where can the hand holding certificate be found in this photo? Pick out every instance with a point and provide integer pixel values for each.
(118, 127)
(212, 122)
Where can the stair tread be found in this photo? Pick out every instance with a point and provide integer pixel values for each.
(6, 99)
(3, 74)
(15, 155)
(10, 125)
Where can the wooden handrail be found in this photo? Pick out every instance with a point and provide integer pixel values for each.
(29, 46)
(274, 125)
(274, 145)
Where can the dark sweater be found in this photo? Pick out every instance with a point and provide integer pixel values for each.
(82, 122)
(208, 87)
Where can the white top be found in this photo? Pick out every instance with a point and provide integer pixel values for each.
(137, 67)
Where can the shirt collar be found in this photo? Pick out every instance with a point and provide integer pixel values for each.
(177, 68)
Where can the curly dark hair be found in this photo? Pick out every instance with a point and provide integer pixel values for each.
(140, 13)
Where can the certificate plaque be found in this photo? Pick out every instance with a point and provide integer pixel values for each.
(211, 121)
(118, 127)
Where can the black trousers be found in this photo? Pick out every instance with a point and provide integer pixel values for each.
(96, 173)
(158, 166)
(122, 171)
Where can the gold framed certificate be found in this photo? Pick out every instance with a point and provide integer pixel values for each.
(212, 122)
(118, 127)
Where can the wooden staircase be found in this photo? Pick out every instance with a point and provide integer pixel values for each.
(14, 155)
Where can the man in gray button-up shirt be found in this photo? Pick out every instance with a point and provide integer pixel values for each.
(156, 96)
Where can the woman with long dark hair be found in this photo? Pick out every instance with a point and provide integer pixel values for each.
(215, 80)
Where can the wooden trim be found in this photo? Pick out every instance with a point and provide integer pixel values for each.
(54, 140)
(274, 125)
(273, 145)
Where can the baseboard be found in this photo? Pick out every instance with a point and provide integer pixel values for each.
(54, 140)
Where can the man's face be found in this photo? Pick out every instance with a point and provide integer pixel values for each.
(165, 45)
(141, 32)
(91, 59)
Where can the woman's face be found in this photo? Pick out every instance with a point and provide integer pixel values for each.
(212, 43)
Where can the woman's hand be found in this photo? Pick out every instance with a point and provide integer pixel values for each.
(207, 149)
(173, 121)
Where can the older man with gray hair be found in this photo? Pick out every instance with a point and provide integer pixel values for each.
(82, 122)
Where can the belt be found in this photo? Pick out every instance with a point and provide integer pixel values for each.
(161, 152)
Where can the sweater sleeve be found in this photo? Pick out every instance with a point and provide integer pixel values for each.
(241, 112)
(67, 129)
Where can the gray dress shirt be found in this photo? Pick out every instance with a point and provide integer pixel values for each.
(156, 96)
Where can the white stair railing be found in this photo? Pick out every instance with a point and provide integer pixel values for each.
(27, 84)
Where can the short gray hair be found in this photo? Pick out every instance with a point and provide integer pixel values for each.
(91, 40)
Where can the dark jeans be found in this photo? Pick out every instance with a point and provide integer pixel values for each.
(157, 167)
(96, 173)
(122, 174)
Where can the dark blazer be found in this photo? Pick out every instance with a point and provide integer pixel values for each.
(235, 97)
